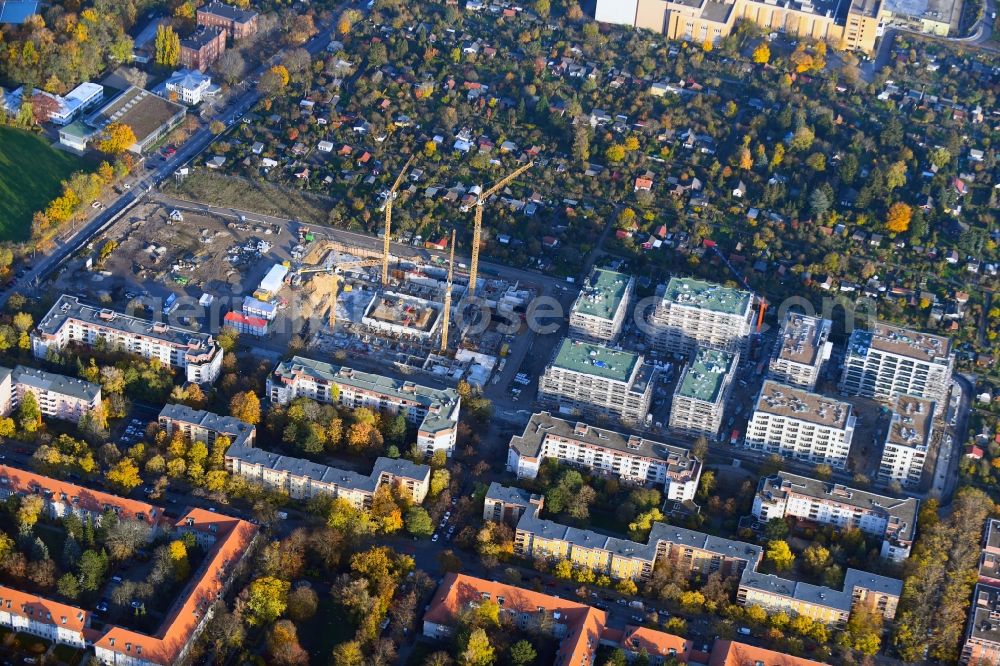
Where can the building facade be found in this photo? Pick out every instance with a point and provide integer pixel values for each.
(303, 479)
(911, 431)
(798, 424)
(701, 394)
(694, 313)
(630, 458)
(599, 312)
(824, 503)
(889, 361)
(202, 48)
(803, 347)
(592, 380)
(433, 411)
(58, 396)
(237, 23)
(70, 321)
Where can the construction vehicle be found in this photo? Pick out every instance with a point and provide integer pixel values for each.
(447, 296)
(390, 197)
(477, 227)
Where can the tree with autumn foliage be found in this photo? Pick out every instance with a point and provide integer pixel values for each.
(898, 218)
(167, 47)
(246, 407)
(116, 139)
(762, 54)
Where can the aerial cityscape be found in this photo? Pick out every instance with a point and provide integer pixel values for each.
(474, 333)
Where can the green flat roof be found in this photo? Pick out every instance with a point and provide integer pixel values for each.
(602, 293)
(707, 296)
(703, 379)
(591, 359)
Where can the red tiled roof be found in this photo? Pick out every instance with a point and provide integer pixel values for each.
(43, 610)
(731, 653)
(655, 643)
(245, 319)
(584, 624)
(24, 482)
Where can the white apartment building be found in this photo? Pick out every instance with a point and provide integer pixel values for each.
(197, 425)
(70, 321)
(700, 398)
(802, 425)
(598, 313)
(433, 411)
(631, 458)
(592, 380)
(803, 347)
(303, 479)
(906, 443)
(58, 396)
(693, 313)
(890, 361)
(824, 503)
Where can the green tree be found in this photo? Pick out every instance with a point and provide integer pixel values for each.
(92, 567)
(522, 653)
(267, 598)
(167, 47)
(29, 416)
(476, 649)
(418, 522)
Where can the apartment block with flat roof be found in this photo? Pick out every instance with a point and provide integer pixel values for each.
(803, 347)
(694, 313)
(58, 396)
(631, 458)
(982, 632)
(507, 504)
(197, 425)
(802, 425)
(825, 503)
(70, 321)
(889, 361)
(304, 479)
(599, 312)
(592, 380)
(911, 431)
(702, 392)
(433, 411)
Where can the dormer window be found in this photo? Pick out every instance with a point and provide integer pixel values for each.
(64, 619)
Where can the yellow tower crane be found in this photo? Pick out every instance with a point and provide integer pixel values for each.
(447, 296)
(477, 227)
(388, 221)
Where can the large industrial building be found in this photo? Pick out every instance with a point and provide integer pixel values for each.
(433, 411)
(825, 503)
(889, 361)
(599, 311)
(802, 425)
(849, 24)
(803, 347)
(702, 391)
(70, 321)
(588, 379)
(630, 458)
(693, 313)
(907, 441)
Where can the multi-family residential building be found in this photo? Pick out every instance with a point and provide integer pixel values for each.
(506, 504)
(702, 392)
(802, 425)
(693, 313)
(304, 479)
(907, 441)
(731, 653)
(197, 425)
(433, 411)
(989, 559)
(592, 380)
(58, 396)
(578, 628)
(70, 321)
(878, 594)
(825, 503)
(225, 540)
(238, 23)
(803, 347)
(599, 311)
(631, 458)
(982, 633)
(889, 361)
(202, 48)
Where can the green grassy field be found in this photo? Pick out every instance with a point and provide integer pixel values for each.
(30, 175)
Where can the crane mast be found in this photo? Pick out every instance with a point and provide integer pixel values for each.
(477, 227)
(447, 296)
(388, 221)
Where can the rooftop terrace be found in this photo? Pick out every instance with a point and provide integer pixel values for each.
(902, 342)
(596, 360)
(802, 338)
(912, 422)
(693, 293)
(796, 403)
(704, 378)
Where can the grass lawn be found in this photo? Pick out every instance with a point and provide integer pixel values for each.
(30, 175)
(68, 654)
(329, 627)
